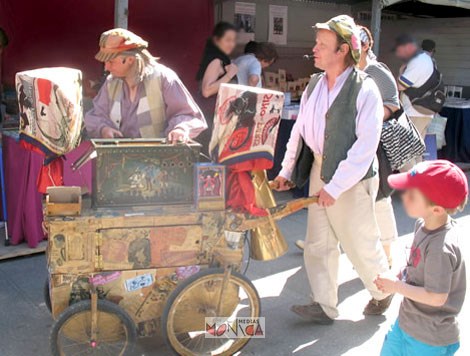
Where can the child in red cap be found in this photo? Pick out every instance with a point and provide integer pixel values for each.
(433, 282)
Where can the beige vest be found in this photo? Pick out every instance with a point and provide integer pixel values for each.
(151, 104)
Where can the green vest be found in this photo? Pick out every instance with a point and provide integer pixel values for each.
(340, 127)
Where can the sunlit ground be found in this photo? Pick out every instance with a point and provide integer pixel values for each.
(352, 333)
(25, 322)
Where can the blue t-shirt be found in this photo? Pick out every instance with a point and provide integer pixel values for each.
(248, 65)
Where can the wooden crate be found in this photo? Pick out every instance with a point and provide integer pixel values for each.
(63, 201)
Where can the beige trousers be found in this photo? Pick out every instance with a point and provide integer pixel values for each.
(386, 220)
(350, 222)
(421, 123)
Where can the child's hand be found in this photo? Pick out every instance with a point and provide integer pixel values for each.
(387, 283)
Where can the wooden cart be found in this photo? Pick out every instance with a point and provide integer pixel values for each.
(116, 274)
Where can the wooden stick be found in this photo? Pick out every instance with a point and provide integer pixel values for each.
(243, 222)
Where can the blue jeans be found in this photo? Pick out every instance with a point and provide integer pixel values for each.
(399, 343)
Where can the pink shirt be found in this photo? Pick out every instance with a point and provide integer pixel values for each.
(310, 125)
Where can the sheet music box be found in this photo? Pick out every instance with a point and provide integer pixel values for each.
(136, 172)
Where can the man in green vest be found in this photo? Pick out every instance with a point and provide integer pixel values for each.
(334, 141)
(141, 98)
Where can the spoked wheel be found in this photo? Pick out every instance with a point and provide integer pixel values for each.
(115, 331)
(209, 293)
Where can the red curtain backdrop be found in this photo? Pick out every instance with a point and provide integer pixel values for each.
(177, 31)
(46, 33)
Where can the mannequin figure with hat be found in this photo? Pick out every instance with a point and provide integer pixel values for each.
(141, 98)
(339, 123)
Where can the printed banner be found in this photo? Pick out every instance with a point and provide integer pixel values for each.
(51, 113)
(246, 123)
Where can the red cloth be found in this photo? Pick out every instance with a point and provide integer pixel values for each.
(24, 203)
(51, 175)
(241, 193)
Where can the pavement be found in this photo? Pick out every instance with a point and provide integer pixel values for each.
(25, 321)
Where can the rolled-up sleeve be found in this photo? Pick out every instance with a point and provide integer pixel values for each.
(181, 109)
(98, 116)
(288, 164)
(362, 153)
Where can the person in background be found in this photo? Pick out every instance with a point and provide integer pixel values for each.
(251, 64)
(340, 121)
(433, 282)
(250, 47)
(140, 97)
(429, 46)
(385, 81)
(417, 69)
(215, 69)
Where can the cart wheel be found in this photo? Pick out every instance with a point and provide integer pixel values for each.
(47, 296)
(198, 297)
(71, 333)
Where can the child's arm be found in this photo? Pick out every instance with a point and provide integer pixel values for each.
(418, 294)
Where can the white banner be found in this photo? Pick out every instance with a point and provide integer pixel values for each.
(245, 20)
(278, 24)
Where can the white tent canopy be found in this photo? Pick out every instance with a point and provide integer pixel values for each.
(455, 3)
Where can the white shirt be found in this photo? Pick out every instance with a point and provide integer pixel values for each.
(311, 123)
(416, 73)
(248, 65)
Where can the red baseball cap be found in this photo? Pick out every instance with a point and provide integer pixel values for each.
(440, 181)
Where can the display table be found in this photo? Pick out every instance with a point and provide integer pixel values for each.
(24, 203)
(457, 132)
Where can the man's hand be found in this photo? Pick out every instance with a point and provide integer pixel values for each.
(109, 132)
(324, 199)
(178, 135)
(282, 184)
(387, 283)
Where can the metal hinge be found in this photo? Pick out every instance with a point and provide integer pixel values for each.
(98, 256)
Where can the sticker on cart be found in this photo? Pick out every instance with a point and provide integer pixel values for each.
(186, 271)
(139, 282)
(104, 278)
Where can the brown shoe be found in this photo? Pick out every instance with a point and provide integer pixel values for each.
(378, 307)
(312, 312)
